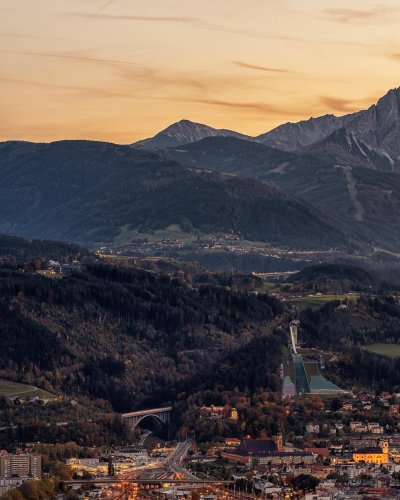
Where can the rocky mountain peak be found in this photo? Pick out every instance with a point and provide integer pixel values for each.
(379, 125)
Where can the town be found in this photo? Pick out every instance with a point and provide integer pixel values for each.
(335, 457)
(231, 246)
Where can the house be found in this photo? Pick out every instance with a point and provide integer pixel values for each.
(219, 412)
(374, 428)
(312, 428)
(358, 427)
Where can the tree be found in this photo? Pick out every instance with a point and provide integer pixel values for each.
(13, 495)
(305, 482)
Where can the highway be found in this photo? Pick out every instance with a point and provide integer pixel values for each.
(175, 459)
(168, 468)
(164, 470)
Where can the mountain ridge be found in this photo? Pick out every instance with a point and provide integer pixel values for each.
(332, 175)
(291, 136)
(89, 191)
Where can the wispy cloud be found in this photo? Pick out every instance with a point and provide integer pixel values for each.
(87, 91)
(250, 106)
(7, 34)
(74, 57)
(346, 105)
(153, 19)
(133, 75)
(188, 20)
(106, 5)
(337, 104)
(377, 14)
(267, 69)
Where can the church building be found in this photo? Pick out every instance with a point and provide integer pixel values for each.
(373, 454)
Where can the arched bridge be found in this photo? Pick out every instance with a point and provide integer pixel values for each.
(135, 417)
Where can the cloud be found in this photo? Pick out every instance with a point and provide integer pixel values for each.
(378, 14)
(198, 83)
(106, 5)
(29, 37)
(191, 21)
(74, 57)
(250, 106)
(346, 105)
(87, 91)
(267, 69)
(337, 104)
(136, 76)
(119, 17)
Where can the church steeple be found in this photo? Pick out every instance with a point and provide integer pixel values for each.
(384, 444)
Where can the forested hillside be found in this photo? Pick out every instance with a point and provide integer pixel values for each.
(129, 336)
(13, 247)
(93, 192)
(360, 189)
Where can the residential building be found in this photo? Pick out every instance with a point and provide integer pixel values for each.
(358, 427)
(20, 466)
(312, 428)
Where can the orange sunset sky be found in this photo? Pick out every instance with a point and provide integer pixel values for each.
(121, 70)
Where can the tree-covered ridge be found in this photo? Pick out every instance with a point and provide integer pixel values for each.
(128, 336)
(92, 191)
(323, 174)
(14, 246)
(323, 272)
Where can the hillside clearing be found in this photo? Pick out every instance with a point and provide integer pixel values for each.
(10, 389)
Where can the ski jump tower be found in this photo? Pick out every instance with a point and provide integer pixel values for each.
(293, 326)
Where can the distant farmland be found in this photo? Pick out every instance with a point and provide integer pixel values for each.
(9, 389)
(389, 350)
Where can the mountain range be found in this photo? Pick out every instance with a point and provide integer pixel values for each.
(378, 127)
(327, 181)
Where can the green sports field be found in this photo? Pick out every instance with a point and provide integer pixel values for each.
(9, 389)
(389, 350)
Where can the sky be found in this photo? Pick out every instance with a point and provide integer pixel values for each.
(121, 70)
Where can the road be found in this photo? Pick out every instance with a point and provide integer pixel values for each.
(168, 468)
(145, 433)
(163, 470)
(175, 459)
